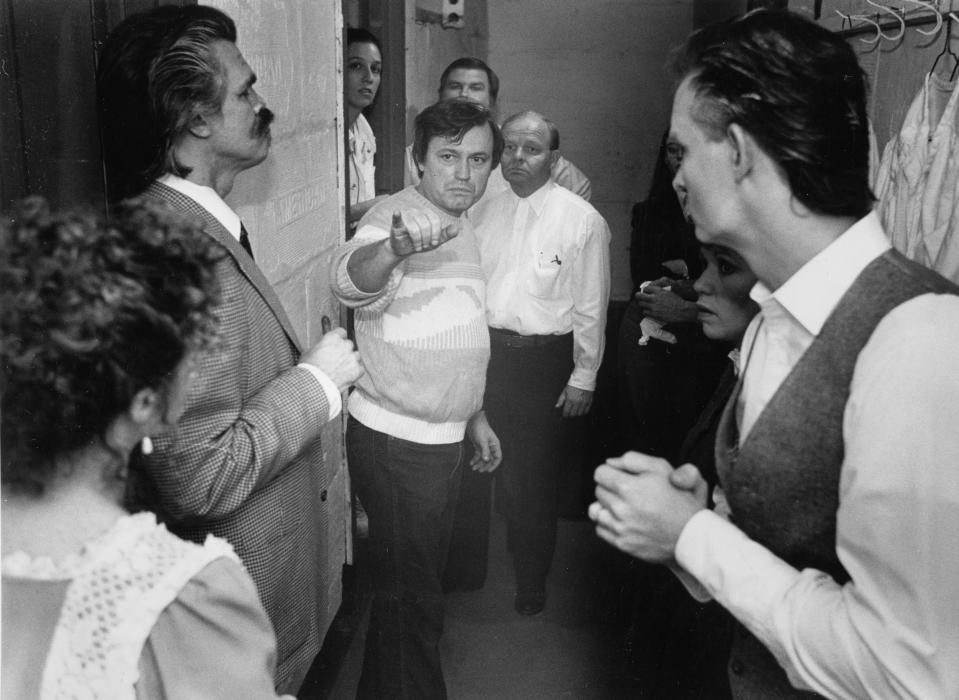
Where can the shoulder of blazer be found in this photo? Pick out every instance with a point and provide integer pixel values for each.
(249, 269)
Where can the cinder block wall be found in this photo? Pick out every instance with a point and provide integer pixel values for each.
(293, 203)
(597, 69)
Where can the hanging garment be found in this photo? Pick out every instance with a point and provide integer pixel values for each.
(907, 185)
(940, 197)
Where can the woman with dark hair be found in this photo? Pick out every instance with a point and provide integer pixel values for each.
(678, 647)
(667, 367)
(364, 67)
(101, 321)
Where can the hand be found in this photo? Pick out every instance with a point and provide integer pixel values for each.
(419, 230)
(574, 402)
(488, 451)
(638, 510)
(688, 478)
(335, 357)
(677, 267)
(665, 306)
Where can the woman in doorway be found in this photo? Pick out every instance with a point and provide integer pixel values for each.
(678, 647)
(364, 67)
(101, 321)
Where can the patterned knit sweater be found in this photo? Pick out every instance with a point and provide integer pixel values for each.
(423, 337)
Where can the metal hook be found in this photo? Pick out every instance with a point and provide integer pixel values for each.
(845, 19)
(932, 8)
(879, 33)
(902, 22)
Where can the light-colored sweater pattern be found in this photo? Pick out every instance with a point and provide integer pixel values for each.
(423, 337)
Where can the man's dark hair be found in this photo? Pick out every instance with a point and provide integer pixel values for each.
(358, 35)
(798, 89)
(470, 63)
(452, 119)
(156, 71)
(92, 310)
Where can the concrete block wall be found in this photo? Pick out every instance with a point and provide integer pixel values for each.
(598, 70)
(293, 203)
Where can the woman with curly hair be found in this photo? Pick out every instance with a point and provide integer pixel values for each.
(101, 320)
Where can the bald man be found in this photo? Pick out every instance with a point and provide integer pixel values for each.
(545, 255)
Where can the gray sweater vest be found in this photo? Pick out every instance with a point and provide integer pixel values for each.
(783, 481)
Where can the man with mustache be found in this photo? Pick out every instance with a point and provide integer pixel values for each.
(180, 120)
(545, 253)
(412, 273)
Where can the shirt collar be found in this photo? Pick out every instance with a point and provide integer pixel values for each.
(537, 200)
(813, 291)
(207, 198)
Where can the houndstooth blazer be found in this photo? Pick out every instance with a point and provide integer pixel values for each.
(245, 461)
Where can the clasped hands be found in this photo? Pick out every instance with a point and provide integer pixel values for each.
(642, 504)
(660, 299)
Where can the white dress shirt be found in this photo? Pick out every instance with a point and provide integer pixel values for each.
(546, 261)
(362, 151)
(207, 198)
(893, 629)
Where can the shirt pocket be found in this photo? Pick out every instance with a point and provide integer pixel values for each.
(545, 281)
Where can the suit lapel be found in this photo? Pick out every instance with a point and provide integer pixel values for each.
(213, 228)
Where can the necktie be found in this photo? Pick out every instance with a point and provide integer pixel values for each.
(245, 241)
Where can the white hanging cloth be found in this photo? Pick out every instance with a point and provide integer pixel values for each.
(918, 180)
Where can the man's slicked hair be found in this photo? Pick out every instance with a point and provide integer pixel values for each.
(796, 88)
(451, 119)
(157, 71)
(470, 63)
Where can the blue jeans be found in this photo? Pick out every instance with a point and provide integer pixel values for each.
(409, 492)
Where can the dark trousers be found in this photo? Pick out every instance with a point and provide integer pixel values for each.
(524, 379)
(663, 387)
(466, 565)
(409, 491)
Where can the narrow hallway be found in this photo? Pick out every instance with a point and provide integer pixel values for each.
(573, 649)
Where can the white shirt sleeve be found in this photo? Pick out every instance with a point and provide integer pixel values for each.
(333, 397)
(590, 298)
(893, 630)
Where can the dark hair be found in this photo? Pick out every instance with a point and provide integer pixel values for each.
(93, 310)
(470, 63)
(661, 186)
(550, 126)
(798, 89)
(156, 71)
(452, 119)
(358, 35)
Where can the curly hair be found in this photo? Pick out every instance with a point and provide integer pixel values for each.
(92, 310)
(156, 71)
(798, 89)
(452, 119)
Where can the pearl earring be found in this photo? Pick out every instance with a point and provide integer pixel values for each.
(146, 446)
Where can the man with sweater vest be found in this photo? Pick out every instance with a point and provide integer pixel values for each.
(412, 272)
(838, 452)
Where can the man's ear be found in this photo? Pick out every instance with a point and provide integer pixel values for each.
(553, 157)
(742, 149)
(200, 126)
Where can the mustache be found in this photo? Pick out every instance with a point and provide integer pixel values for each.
(264, 118)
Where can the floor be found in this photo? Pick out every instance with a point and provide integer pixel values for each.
(573, 649)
